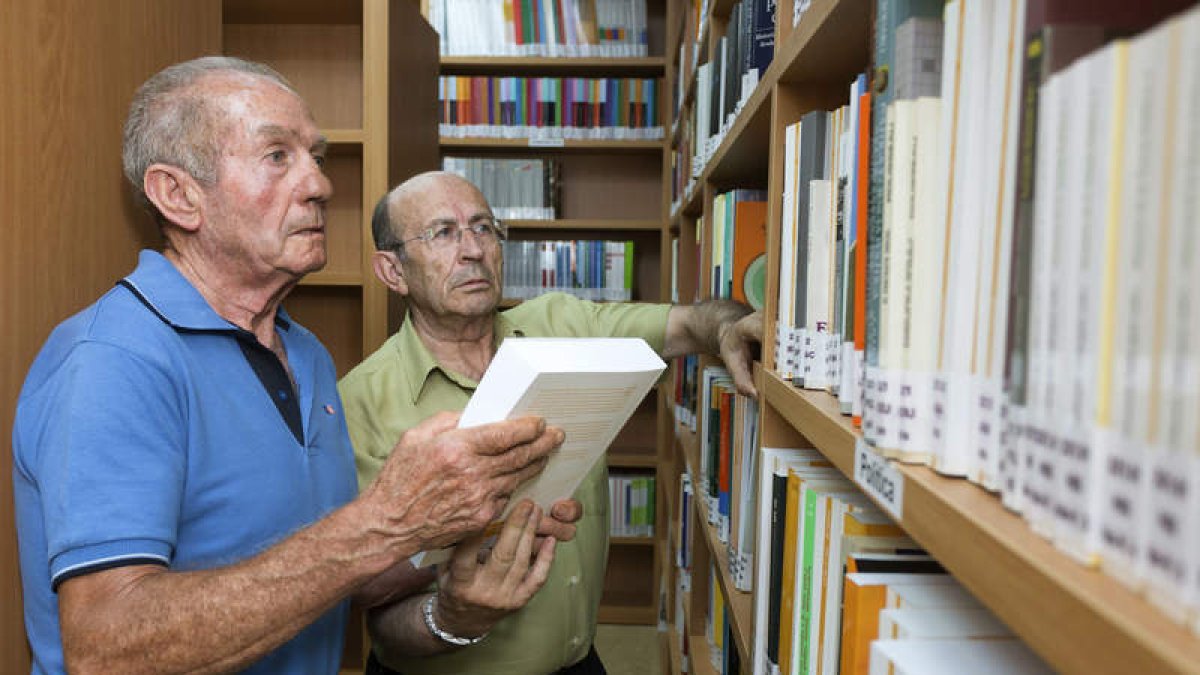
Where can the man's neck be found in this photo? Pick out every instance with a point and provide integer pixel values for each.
(250, 308)
(462, 345)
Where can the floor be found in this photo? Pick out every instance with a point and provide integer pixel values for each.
(628, 650)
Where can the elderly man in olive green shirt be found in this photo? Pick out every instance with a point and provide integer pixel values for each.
(438, 246)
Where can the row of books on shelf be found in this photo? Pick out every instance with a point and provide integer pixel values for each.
(692, 39)
(631, 505)
(837, 586)
(572, 28)
(589, 269)
(571, 108)
(741, 56)
(992, 261)
(723, 84)
(516, 189)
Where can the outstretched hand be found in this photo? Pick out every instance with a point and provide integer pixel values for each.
(478, 586)
(736, 340)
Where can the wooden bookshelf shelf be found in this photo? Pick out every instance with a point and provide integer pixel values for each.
(674, 664)
(631, 541)
(826, 46)
(627, 460)
(332, 279)
(449, 143)
(343, 136)
(738, 160)
(637, 66)
(611, 612)
(612, 225)
(1077, 618)
(699, 663)
(292, 11)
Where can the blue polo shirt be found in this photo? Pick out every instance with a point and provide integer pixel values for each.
(144, 435)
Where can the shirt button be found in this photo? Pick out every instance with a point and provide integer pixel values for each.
(573, 580)
(575, 641)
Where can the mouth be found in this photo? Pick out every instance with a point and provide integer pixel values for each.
(474, 284)
(317, 229)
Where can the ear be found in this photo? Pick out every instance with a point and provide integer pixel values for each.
(174, 193)
(389, 270)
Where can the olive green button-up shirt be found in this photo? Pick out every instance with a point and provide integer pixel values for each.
(401, 384)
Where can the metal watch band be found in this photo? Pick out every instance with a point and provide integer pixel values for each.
(449, 638)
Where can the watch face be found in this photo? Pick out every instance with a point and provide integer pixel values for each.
(754, 282)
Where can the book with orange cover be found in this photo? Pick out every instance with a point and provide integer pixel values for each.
(860, 235)
(863, 596)
(750, 253)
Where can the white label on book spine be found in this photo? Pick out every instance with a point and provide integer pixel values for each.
(879, 478)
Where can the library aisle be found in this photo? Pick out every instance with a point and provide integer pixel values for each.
(628, 650)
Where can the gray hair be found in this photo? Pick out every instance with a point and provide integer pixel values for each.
(171, 123)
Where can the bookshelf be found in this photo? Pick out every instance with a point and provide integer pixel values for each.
(592, 172)
(368, 70)
(349, 60)
(1076, 618)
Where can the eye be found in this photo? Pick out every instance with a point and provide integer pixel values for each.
(441, 233)
(320, 160)
(278, 156)
(483, 229)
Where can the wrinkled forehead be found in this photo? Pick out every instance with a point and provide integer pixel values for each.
(250, 103)
(446, 199)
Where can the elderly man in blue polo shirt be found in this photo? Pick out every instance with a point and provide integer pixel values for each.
(185, 487)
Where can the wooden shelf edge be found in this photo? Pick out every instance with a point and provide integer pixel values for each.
(332, 279)
(627, 615)
(673, 661)
(755, 105)
(344, 136)
(1078, 619)
(584, 224)
(739, 604)
(647, 541)
(649, 65)
(617, 460)
(567, 144)
(290, 12)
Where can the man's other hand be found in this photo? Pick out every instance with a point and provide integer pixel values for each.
(441, 483)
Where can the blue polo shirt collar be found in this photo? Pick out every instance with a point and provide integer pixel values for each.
(169, 294)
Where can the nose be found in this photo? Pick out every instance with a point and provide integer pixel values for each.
(469, 247)
(316, 185)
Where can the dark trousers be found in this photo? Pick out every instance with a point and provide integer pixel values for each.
(588, 665)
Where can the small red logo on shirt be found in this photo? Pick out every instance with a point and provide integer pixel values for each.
(328, 409)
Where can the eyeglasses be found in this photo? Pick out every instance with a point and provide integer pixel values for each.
(445, 235)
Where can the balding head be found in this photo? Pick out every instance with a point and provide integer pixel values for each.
(395, 210)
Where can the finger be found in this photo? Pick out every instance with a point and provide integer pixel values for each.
(463, 561)
(566, 510)
(751, 327)
(553, 527)
(536, 577)
(510, 481)
(507, 543)
(498, 437)
(737, 363)
(522, 556)
(534, 453)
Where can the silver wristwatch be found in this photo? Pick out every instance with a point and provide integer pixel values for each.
(449, 638)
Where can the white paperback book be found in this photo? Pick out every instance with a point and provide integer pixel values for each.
(588, 387)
